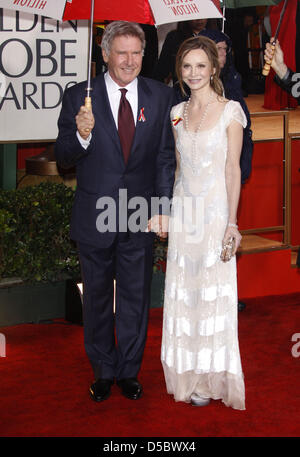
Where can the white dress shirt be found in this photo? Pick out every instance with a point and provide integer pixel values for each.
(114, 96)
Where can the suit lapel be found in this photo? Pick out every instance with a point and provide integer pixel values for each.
(102, 111)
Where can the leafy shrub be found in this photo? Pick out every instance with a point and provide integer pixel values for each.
(34, 233)
(160, 255)
(35, 242)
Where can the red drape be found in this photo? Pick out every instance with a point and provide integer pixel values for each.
(275, 97)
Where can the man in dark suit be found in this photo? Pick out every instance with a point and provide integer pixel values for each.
(123, 150)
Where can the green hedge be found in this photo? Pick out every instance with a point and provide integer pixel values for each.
(34, 233)
(35, 240)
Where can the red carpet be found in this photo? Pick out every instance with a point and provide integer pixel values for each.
(45, 378)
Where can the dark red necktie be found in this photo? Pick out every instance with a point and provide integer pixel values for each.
(126, 126)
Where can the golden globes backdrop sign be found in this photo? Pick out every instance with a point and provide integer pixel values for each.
(166, 11)
(39, 58)
(49, 8)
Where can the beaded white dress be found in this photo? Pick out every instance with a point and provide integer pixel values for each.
(200, 349)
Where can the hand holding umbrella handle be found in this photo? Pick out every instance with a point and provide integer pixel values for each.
(267, 66)
(88, 103)
(268, 63)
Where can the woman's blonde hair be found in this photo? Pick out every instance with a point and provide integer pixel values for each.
(210, 49)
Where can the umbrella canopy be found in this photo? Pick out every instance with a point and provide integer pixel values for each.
(143, 11)
(130, 10)
(165, 11)
(244, 3)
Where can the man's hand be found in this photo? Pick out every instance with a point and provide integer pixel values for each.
(159, 224)
(85, 122)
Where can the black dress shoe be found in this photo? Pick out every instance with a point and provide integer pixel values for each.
(100, 390)
(130, 388)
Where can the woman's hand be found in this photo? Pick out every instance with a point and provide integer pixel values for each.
(159, 224)
(232, 232)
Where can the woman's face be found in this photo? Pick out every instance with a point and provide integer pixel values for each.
(196, 69)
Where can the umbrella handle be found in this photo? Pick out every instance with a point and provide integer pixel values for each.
(88, 106)
(88, 103)
(267, 66)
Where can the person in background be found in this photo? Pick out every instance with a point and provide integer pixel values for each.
(240, 21)
(151, 50)
(162, 32)
(277, 97)
(284, 75)
(97, 50)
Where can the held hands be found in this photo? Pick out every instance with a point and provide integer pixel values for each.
(85, 122)
(274, 57)
(159, 224)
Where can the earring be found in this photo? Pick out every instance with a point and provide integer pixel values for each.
(211, 78)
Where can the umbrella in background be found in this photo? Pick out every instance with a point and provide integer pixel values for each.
(244, 3)
(141, 11)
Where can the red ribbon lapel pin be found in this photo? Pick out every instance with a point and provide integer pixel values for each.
(142, 116)
(176, 120)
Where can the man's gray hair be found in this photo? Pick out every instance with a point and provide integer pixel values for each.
(120, 28)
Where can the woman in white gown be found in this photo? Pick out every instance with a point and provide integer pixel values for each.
(200, 349)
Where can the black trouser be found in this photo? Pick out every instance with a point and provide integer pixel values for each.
(115, 342)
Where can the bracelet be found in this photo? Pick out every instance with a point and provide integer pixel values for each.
(232, 225)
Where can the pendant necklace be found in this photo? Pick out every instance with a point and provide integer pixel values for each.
(194, 134)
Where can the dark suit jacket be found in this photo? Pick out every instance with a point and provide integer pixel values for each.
(286, 83)
(101, 170)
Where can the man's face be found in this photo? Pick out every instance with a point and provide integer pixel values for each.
(222, 53)
(198, 24)
(125, 59)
